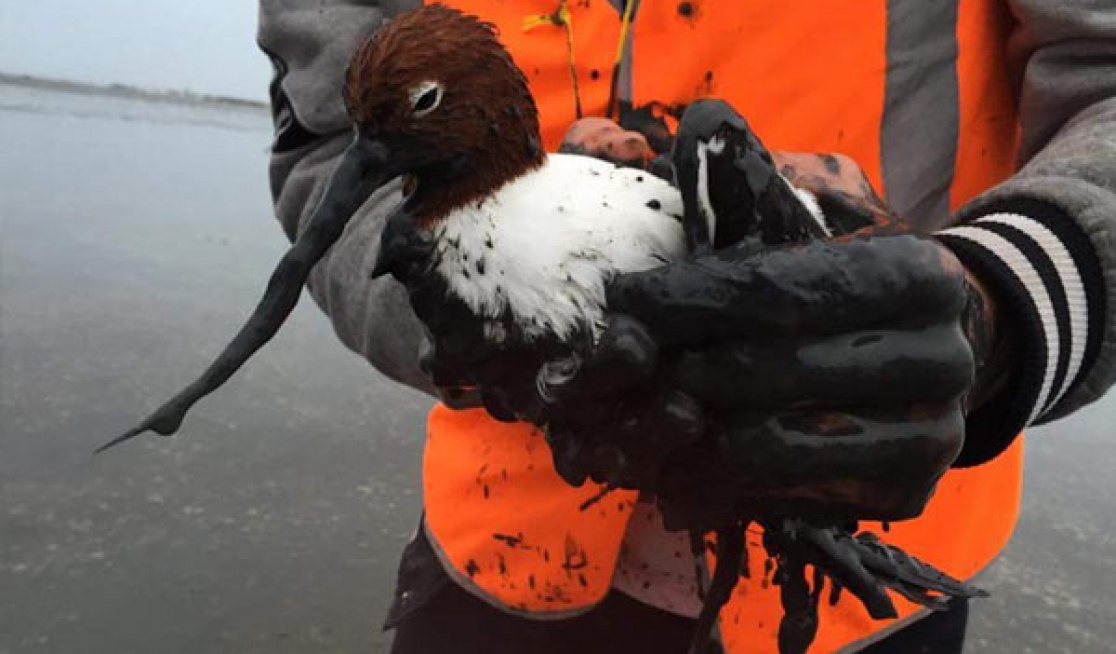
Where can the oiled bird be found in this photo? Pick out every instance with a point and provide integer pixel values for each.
(507, 251)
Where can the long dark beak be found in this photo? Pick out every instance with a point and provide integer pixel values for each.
(364, 167)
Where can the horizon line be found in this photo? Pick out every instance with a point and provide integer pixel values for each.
(178, 96)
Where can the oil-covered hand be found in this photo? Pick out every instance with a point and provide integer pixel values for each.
(841, 188)
(824, 379)
(828, 378)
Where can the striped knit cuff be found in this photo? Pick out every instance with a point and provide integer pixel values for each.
(1045, 271)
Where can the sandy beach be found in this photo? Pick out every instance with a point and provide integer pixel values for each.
(136, 236)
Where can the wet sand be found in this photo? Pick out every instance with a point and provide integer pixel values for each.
(136, 237)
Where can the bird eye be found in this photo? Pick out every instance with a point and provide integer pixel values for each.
(425, 98)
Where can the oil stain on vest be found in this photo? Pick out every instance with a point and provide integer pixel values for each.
(689, 11)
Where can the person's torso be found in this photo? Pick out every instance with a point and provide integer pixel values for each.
(918, 93)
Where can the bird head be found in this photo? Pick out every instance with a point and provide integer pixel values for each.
(435, 98)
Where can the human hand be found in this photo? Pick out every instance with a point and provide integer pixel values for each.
(824, 378)
(843, 190)
(604, 139)
(841, 187)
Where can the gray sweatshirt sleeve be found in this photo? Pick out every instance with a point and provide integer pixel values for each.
(1047, 236)
(309, 44)
(1068, 154)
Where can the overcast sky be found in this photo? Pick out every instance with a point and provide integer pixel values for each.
(206, 46)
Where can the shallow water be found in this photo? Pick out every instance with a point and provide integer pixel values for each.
(136, 237)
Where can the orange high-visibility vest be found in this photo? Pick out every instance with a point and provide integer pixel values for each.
(809, 75)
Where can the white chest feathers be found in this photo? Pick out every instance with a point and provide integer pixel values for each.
(542, 248)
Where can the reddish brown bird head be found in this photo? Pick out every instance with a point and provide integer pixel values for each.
(436, 89)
